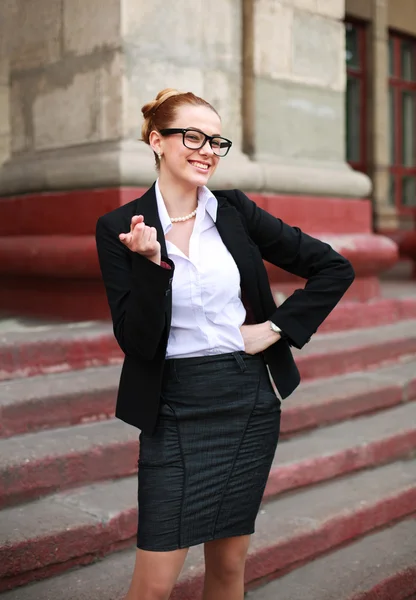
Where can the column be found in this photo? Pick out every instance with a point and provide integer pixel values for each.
(300, 86)
(385, 214)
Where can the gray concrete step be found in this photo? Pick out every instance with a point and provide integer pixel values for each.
(380, 565)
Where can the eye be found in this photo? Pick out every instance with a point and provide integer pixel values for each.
(193, 136)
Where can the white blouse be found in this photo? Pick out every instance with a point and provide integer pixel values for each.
(207, 311)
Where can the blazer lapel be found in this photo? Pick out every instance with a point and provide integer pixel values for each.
(235, 238)
(147, 206)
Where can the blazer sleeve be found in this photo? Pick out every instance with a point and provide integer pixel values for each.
(137, 292)
(328, 274)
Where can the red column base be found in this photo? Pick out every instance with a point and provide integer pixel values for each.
(406, 241)
(49, 267)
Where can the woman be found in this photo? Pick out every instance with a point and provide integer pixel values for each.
(194, 314)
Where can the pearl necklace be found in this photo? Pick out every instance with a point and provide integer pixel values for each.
(179, 219)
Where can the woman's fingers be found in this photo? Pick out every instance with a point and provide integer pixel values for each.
(135, 220)
(125, 238)
(141, 239)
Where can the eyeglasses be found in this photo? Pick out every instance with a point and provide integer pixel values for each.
(194, 139)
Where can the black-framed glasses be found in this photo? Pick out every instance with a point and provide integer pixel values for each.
(194, 139)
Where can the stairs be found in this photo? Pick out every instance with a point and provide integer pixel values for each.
(338, 520)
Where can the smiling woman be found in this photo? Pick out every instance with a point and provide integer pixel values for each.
(194, 314)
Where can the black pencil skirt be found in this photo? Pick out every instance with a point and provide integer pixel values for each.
(203, 472)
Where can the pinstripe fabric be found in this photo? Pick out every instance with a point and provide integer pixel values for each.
(203, 472)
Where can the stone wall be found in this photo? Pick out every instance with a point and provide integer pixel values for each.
(4, 82)
(80, 70)
(4, 112)
(64, 74)
(168, 45)
(300, 79)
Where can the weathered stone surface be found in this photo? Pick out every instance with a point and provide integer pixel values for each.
(68, 116)
(4, 110)
(401, 15)
(4, 148)
(129, 163)
(21, 135)
(145, 78)
(309, 5)
(223, 91)
(90, 25)
(298, 121)
(196, 55)
(111, 98)
(331, 8)
(273, 35)
(115, 55)
(361, 9)
(189, 35)
(4, 70)
(37, 33)
(163, 31)
(66, 108)
(318, 50)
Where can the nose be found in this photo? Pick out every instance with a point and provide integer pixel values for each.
(206, 149)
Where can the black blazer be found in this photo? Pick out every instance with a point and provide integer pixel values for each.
(140, 299)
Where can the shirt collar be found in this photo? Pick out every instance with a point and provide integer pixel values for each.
(206, 200)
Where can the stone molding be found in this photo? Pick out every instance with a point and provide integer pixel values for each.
(130, 163)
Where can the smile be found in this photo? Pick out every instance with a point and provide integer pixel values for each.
(199, 165)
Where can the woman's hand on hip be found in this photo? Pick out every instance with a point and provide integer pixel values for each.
(142, 239)
(258, 338)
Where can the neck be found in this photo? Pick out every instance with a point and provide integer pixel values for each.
(180, 199)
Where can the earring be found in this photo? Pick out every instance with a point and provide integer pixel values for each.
(159, 155)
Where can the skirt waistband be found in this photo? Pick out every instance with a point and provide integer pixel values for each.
(232, 359)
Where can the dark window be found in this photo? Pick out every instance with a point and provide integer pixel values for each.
(402, 82)
(355, 110)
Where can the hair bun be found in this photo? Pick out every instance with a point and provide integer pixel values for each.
(151, 107)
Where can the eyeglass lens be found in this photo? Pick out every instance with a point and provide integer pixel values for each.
(195, 140)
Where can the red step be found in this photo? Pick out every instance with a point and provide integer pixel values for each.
(44, 462)
(380, 566)
(57, 532)
(354, 351)
(37, 349)
(61, 348)
(61, 399)
(57, 400)
(323, 401)
(338, 449)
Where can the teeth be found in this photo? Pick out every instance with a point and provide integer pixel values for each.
(200, 165)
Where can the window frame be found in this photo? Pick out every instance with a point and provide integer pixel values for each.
(360, 73)
(398, 171)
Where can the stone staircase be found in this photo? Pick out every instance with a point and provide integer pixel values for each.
(338, 520)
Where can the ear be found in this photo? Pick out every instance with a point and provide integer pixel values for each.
(155, 141)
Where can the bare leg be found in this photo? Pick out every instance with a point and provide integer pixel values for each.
(224, 568)
(155, 574)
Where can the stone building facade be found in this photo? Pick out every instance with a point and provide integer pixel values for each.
(74, 74)
(381, 108)
(79, 71)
